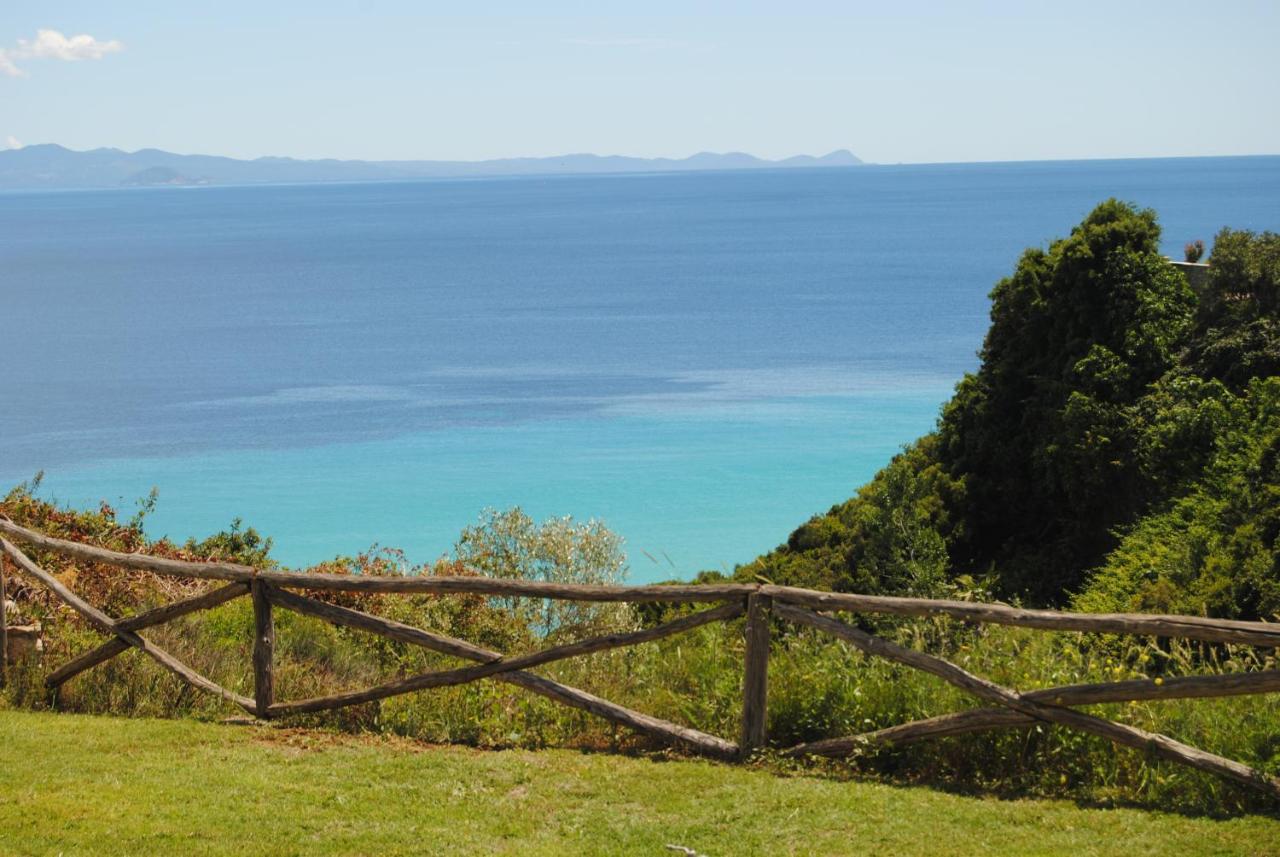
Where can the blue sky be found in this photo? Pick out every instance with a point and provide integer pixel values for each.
(893, 82)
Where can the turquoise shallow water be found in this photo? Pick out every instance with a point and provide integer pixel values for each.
(680, 487)
(702, 360)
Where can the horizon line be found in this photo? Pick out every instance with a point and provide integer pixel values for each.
(841, 150)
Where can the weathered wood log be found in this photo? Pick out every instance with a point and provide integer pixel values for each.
(494, 586)
(174, 609)
(357, 583)
(446, 678)
(377, 625)
(187, 674)
(146, 619)
(983, 719)
(85, 661)
(1174, 687)
(943, 726)
(1190, 627)
(99, 620)
(755, 678)
(497, 668)
(264, 648)
(104, 623)
(1160, 745)
(571, 696)
(4, 629)
(142, 562)
(662, 730)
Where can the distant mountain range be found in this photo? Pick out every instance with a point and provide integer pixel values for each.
(53, 166)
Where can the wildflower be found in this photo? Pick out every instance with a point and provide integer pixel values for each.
(1159, 681)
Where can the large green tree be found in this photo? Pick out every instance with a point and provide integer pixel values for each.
(1112, 402)
(1044, 433)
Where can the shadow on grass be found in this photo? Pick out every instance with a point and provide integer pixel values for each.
(884, 768)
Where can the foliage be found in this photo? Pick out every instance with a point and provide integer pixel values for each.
(1118, 424)
(894, 536)
(1193, 251)
(1237, 325)
(1043, 434)
(108, 587)
(1216, 549)
(559, 550)
(236, 543)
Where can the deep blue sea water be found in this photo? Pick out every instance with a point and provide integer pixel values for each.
(702, 360)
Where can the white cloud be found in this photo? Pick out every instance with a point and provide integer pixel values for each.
(12, 142)
(52, 45)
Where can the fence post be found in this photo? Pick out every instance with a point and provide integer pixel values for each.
(755, 678)
(264, 645)
(4, 630)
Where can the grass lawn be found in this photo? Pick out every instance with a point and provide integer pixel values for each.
(91, 785)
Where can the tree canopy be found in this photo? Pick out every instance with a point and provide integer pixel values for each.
(1120, 428)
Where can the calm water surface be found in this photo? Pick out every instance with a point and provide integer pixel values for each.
(702, 360)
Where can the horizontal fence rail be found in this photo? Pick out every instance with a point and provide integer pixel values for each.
(1154, 624)
(761, 604)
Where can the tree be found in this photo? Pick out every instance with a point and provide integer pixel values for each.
(1237, 334)
(1043, 433)
(1119, 437)
(559, 550)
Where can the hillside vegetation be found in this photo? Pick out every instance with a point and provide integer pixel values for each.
(1118, 447)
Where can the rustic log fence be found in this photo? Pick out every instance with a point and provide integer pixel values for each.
(761, 604)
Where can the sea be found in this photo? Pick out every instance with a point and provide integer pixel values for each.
(702, 361)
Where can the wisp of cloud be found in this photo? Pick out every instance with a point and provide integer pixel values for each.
(51, 44)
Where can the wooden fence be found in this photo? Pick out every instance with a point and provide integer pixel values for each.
(761, 604)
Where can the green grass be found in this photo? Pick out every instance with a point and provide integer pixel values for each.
(75, 784)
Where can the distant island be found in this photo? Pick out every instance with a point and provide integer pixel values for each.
(50, 166)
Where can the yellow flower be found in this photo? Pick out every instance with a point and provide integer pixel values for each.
(1159, 681)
